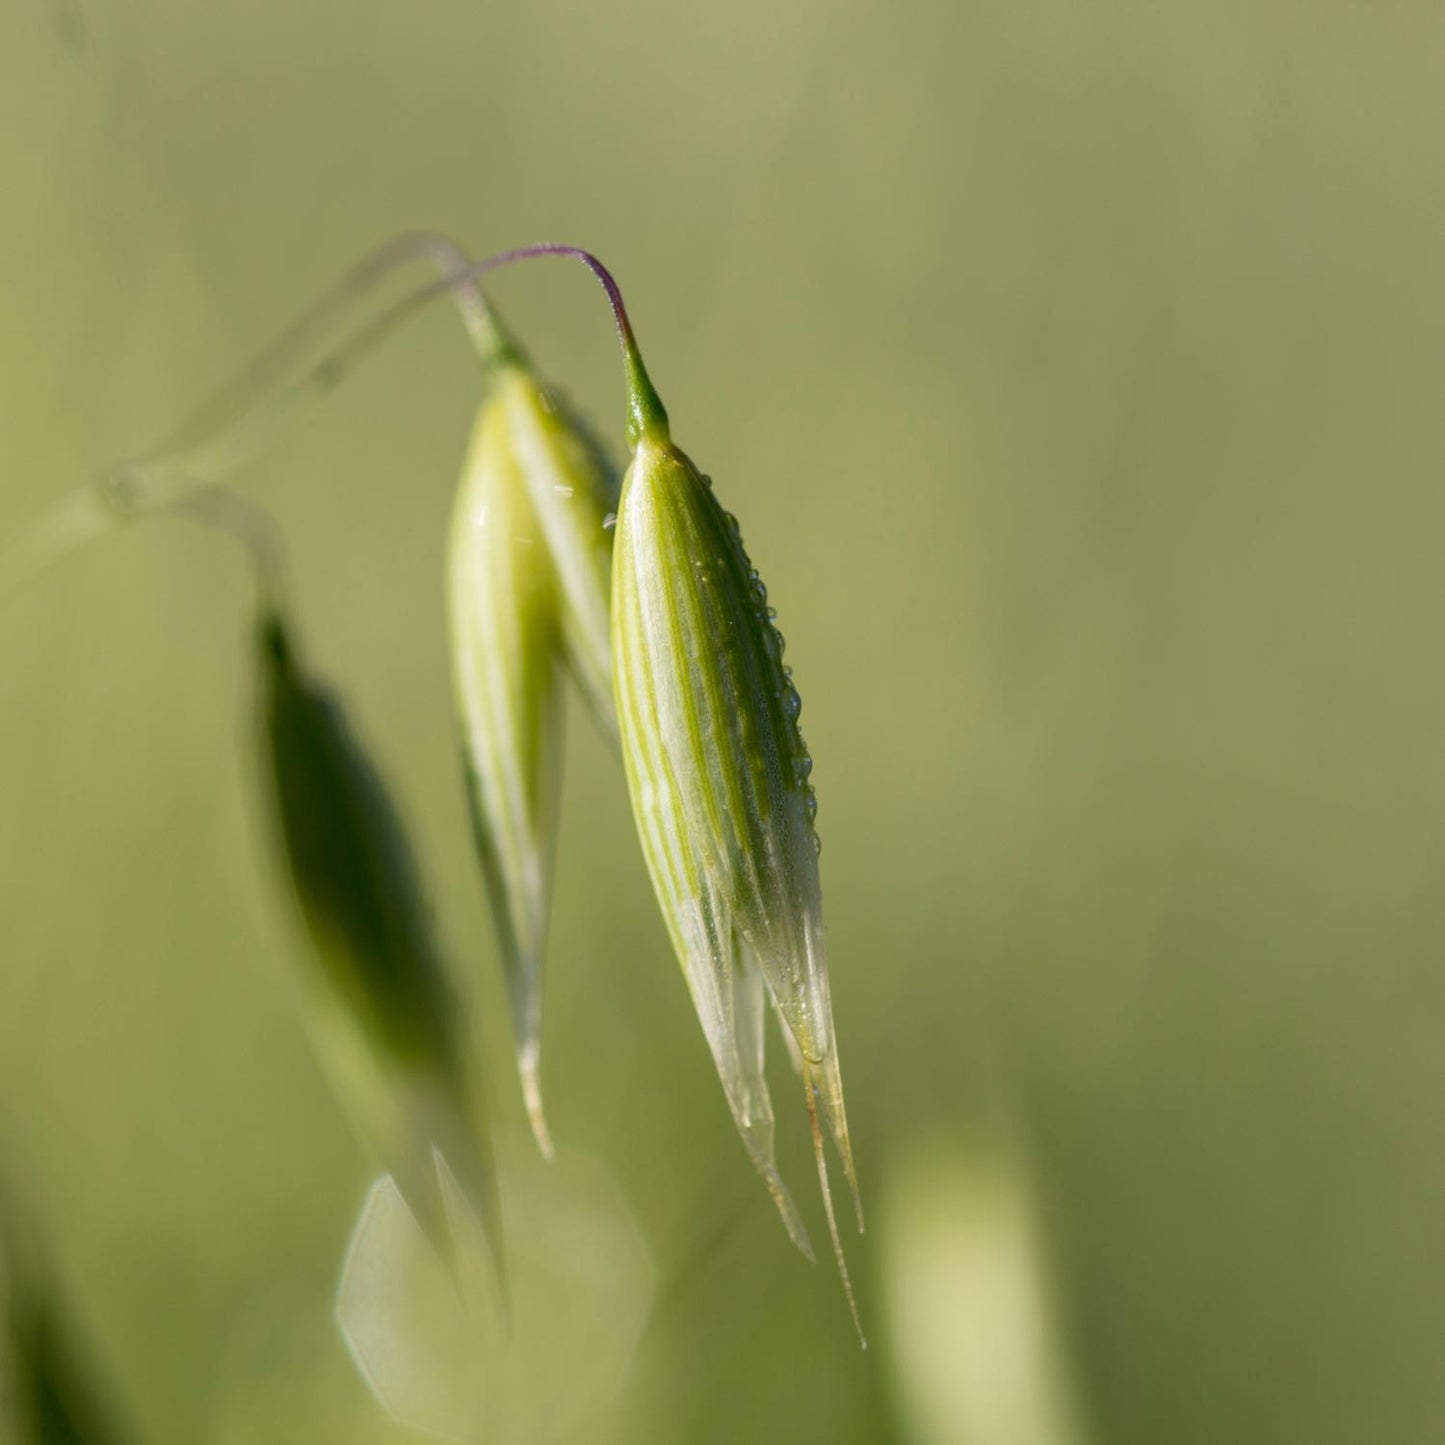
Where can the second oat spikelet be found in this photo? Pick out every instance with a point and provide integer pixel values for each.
(529, 558)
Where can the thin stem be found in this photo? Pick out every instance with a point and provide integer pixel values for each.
(646, 415)
(240, 419)
(199, 455)
(53, 536)
(230, 427)
(234, 424)
(250, 524)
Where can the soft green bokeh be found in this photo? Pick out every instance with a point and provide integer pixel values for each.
(1075, 373)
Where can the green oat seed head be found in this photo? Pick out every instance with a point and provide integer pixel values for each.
(719, 779)
(387, 1019)
(528, 575)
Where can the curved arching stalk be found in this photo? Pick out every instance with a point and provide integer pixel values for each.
(231, 427)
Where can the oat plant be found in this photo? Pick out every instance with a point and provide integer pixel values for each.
(648, 598)
(528, 565)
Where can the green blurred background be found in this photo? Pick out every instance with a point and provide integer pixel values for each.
(1075, 372)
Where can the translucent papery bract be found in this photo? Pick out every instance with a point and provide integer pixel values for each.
(727, 991)
(385, 1013)
(506, 664)
(718, 774)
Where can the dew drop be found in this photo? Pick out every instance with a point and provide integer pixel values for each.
(792, 704)
(609, 521)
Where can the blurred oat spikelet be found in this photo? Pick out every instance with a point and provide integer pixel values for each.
(387, 1018)
(529, 558)
(382, 1006)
